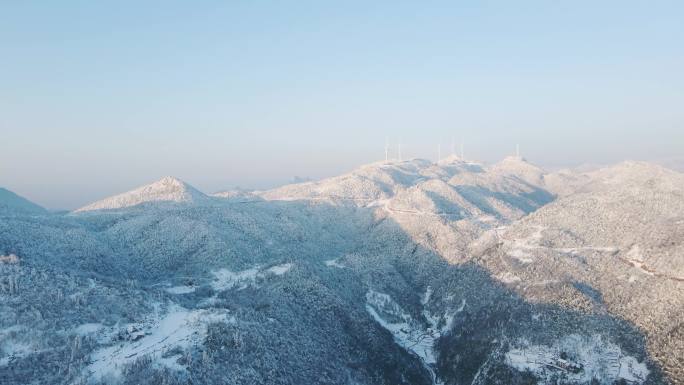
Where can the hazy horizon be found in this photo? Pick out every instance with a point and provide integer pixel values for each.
(100, 98)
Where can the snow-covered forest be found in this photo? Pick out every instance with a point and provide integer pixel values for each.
(408, 272)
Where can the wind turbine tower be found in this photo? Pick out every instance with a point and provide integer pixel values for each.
(386, 149)
(399, 150)
(462, 157)
(439, 152)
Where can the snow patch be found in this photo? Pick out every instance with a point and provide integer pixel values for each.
(636, 258)
(508, 277)
(578, 359)
(409, 333)
(378, 203)
(225, 279)
(177, 328)
(521, 256)
(334, 263)
(12, 349)
(184, 289)
(520, 248)
(88, 328)
(427, 296)
(576, 250)
(280, 269)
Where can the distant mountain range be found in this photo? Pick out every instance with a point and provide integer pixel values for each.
(408, 272)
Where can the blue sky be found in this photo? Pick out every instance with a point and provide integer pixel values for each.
(99, 97)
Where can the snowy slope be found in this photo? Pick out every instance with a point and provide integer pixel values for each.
(365, 184)
(519, 167)
(451, 188)
(615, 244)
(168, 189)
(586, 358)
(13, 203)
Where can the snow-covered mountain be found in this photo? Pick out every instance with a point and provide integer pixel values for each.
(451, 187)
(165, 190)
(366, 184)
(401, 272)
(616, 244)
(519, 167)
(11, 202)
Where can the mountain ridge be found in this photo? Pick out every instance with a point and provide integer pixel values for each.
(407, 272)
(165, 190)
(12, 202)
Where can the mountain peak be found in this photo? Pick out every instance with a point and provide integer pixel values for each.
(168, 189)
(171, 180)
(451, 159)
(519, 167)
(170, 183)
(515, 163)
(514, 159)
(638, 173)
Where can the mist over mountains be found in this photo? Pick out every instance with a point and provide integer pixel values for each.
(398, 272)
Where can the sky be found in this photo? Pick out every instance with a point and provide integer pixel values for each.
(99, 97)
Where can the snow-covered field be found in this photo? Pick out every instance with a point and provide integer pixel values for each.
(177, 327)
(181, 289)
(577, 359)
(225, 279)
(12, 346)
(334, 263)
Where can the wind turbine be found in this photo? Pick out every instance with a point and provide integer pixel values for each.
(399, 150)
(386, 149)
(439, 152)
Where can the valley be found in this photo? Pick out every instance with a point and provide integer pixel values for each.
(407, 272)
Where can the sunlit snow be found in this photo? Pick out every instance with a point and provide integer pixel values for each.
(179, 327)
(578, 359)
